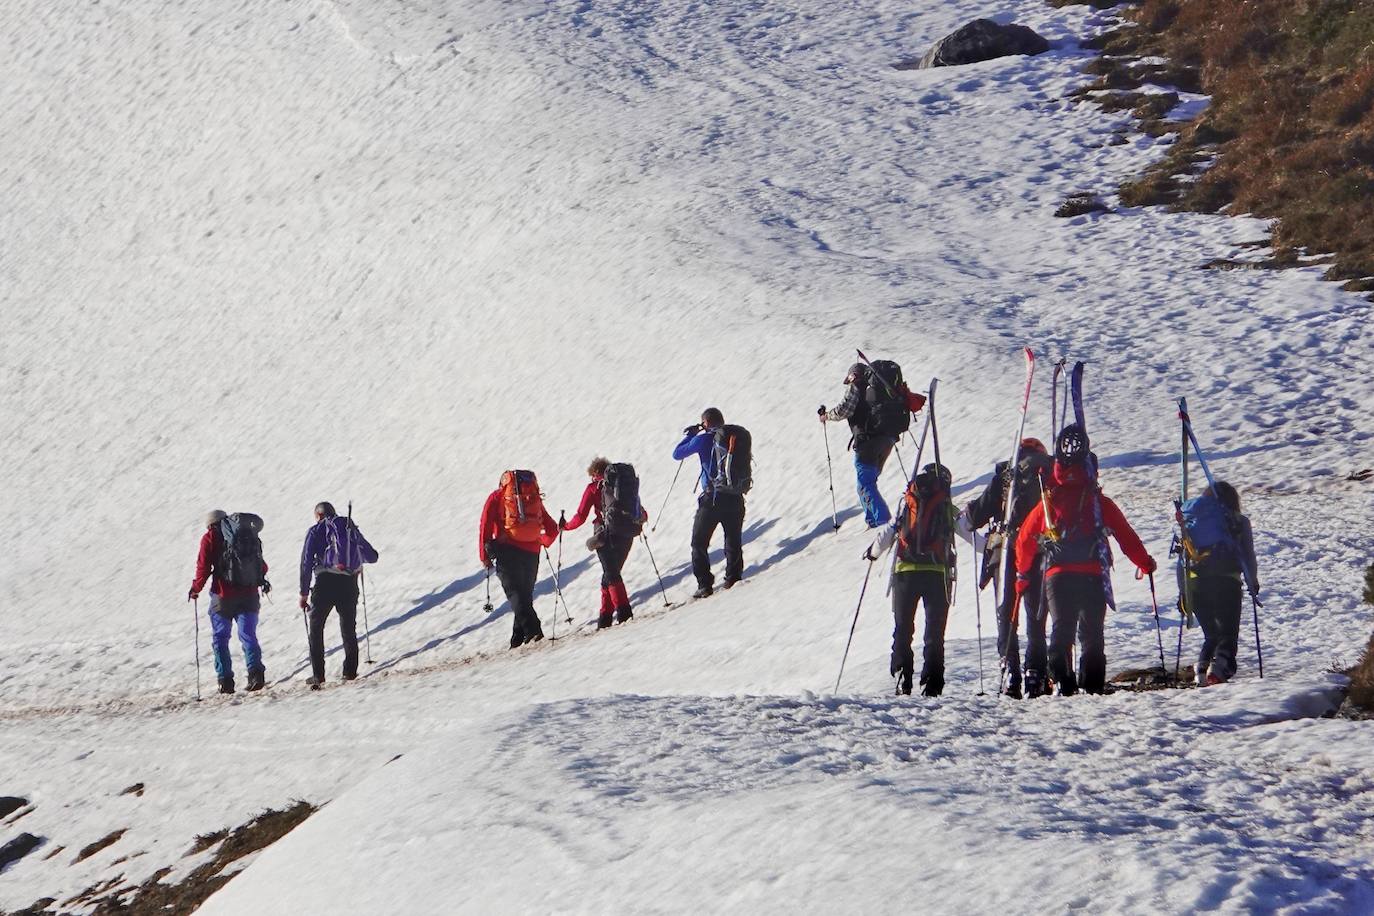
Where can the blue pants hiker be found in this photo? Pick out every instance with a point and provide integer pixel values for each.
(876, 512)
(222, 617)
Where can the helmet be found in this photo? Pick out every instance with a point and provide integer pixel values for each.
(1032, 444)
(1072, 445)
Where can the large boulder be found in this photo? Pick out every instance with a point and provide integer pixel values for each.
(983, 39)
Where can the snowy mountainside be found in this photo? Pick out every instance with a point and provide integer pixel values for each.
(279, 252)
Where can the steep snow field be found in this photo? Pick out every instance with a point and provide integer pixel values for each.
(269, 253)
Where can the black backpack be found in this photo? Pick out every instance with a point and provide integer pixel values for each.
(926, 532)
(734, 454)
(620, 508)
(240, 559)
(888, 413)
(1029, 471)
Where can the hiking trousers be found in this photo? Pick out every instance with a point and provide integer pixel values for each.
(727, 511)
(334, 592)
(1078, 607)
(1217, 604)
(908, 590)
(518, 571)
(870, 455)
(1032, 611)
(223, 614)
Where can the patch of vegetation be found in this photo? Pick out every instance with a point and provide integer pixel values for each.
(1289, 133)
(117, 896)
(1080, 204)
(1362, 675)
(103, 843)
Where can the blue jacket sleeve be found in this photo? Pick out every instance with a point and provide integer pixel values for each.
(698, 444)
(368, 551)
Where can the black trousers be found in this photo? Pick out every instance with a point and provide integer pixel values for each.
(909, 588)
(613, 552)
(1217, 604)
(1078, 606)
(334, 592)
(727, 511)
(1033, 612)
(518, 571)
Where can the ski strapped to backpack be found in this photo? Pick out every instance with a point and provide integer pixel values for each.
(621, 513)
(240, 560)
(1104, 551)
(522, 506)
(732, 453)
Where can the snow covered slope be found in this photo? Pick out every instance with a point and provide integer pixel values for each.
(272, 253)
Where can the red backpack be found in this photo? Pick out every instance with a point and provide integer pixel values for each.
(522, 507)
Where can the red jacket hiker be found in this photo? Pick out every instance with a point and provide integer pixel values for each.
(1071, 511)
(211, 545)
(492, 530)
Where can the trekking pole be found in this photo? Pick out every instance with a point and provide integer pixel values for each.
(562, 517)
(830, 470)
(557, 589)
(670, 493)
(487, 607)
(661, 589)
(1159, 632)
(978, 609)
(195, 609)
(900, 463)
(852, 626)
(1259, 652)
(1178, 655)
(367, 631)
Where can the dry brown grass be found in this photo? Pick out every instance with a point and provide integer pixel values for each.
(1290, 131)
(1362, 676)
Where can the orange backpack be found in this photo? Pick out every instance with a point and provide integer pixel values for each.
(522, 509)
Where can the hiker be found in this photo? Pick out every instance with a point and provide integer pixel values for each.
(923, 571)
(990, 508)
(1220, 547)
(1069, 526)
(230, 557)
(613, 495)
(879, 408)
(334, 554)
(515, 527)
(725, 452)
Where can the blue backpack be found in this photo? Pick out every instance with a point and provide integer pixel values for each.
(342, 545)
(1209, 530)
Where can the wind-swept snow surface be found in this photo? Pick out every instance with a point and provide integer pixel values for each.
(265, 254)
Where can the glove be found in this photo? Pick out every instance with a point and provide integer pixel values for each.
(692, 430)
(192, 595)
(820, 412)
(305, 602)
(1150, 566)
(881, 543)
(266, 587)
(1022, 583)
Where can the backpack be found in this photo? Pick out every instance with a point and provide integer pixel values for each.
(1030, 471)
(734, 458)
(240, 558)
(1074, 537)
(342, 545)
(1209, 537)
(522, 507)
(888, 414)
(620, 509)
(926, 532)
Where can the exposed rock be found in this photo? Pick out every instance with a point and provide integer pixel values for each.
(981, 39)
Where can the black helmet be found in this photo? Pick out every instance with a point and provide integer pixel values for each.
(1072, 445)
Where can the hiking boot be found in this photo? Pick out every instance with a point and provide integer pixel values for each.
(226, 685)
(1013, 691)
(517, 640)
(623, 615)
(704, 592)
(315, 683)
(1034, 685)
(350, 677)
(604, 621)
(257, 679)
(535, 636)
(904, 683)
(1212, 681)
(729, 583)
